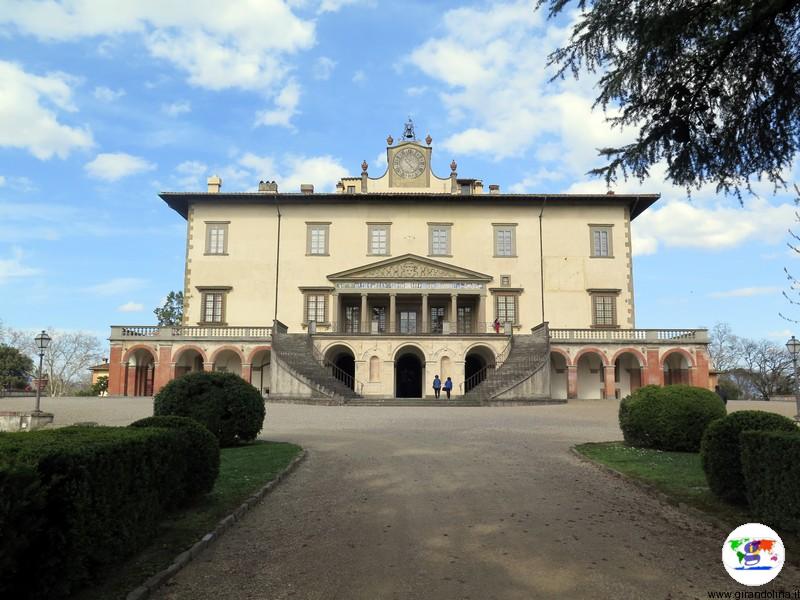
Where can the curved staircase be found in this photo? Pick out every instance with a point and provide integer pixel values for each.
(514, 379)
(296, 352)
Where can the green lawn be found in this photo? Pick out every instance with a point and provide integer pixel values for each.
(678, 475)
(243, 470)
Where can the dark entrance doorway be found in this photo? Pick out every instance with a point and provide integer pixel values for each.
(347, 365)
(408, 376)
(474, 371)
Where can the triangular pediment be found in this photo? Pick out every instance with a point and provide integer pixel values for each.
(410, 266)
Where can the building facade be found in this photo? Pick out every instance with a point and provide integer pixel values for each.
(374, 289)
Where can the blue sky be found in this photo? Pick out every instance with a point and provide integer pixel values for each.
(104, 104)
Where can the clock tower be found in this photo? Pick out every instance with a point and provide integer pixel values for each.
(409, 161)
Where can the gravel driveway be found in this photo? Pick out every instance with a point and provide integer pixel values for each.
(447, 503)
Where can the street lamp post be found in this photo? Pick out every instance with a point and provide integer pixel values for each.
(42, 342)
(793, 345)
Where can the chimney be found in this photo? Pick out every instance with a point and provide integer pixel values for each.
(262, 186)
(339, 187)
(214, 184)
(478, 187)
(494, 188)
(306, 188)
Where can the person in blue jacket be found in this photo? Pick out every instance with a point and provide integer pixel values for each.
(437, 385)
(448, 385)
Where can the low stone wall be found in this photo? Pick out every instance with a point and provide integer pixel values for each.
(24, 421)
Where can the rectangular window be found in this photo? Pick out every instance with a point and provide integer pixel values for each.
(352, 319)
(439, 239)
(315, 308)
(216, 238)
(212, 307)
(505, 280)
(506, 309)
(464, 319)
(466, 189)
(378, 236)
(408, 321)
(379, 317)
(604, 311)
(504, 242)
(601, 241)
(351, 189)
(317, 239)
(437, 319)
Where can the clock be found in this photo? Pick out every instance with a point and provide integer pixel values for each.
(409, 163)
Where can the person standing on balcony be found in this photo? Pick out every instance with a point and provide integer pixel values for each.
(496, 325)
(437, 385)
(448, 385)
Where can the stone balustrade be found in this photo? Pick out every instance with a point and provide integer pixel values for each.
(187, 332)
(642, 336)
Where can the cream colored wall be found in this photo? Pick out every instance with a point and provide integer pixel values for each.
(249, 267)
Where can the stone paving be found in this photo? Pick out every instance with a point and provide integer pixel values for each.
(470, 503)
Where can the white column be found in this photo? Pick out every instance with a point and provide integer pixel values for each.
(481, 316)
(334, 316)
(453, 313)
(364, 314)
(424, 319)
(392, 311)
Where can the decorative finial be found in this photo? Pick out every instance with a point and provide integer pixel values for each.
(453, 166)
(364, 166)
(408, 131)
(428, 139)
(389, 140)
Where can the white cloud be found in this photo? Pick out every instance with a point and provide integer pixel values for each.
(2, 180)
(335, 5)
(116, 286)
(683, 224)
(286, 107)
(359, 76)
(243, 44)
(28, 119)
(781, 334)
(288, 171)
(322, 171)
(12, 268)
(116, 165)
(323, 68)
(176, 108)
(417, 90)
(746, 292)
(130, 307)
(190, 174)
(106, 94)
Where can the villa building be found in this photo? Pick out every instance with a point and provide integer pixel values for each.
(373, 289)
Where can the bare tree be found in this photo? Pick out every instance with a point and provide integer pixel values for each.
(768, 366)
(66, 360)
(724, 348)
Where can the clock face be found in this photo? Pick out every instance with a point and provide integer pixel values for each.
(409, 163)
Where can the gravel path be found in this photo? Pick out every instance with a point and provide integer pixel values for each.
(456, 503)
(446, 503)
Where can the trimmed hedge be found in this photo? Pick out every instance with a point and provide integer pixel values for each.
(76, 499)
(720, 450)
(668, 418)
(231, 409)
(771, 469)
(204, 460)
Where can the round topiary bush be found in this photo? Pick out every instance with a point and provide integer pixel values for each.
(668, 418)
(226, 404)
(720, 451)
(203, 462)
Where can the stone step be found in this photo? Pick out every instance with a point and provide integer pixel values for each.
(296, 352)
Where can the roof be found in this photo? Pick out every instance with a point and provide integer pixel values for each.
(180, 201)
(101, 367)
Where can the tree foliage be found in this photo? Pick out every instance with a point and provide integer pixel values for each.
(15, 367)
(713, 86)
(171, 313)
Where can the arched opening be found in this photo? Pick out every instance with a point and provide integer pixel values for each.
(477, 363)
(590, 376)
(342, 364)
(627, 374)
(558, 376)
(228, 361)
(140, 373)
(409, 373)
(676, 369)
(188, 361)
(260, 371)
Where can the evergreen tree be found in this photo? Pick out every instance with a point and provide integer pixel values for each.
(712, 85)
(171, 313)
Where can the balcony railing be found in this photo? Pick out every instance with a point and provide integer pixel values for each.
(645, 336)
(443, 328)
(187, 332)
